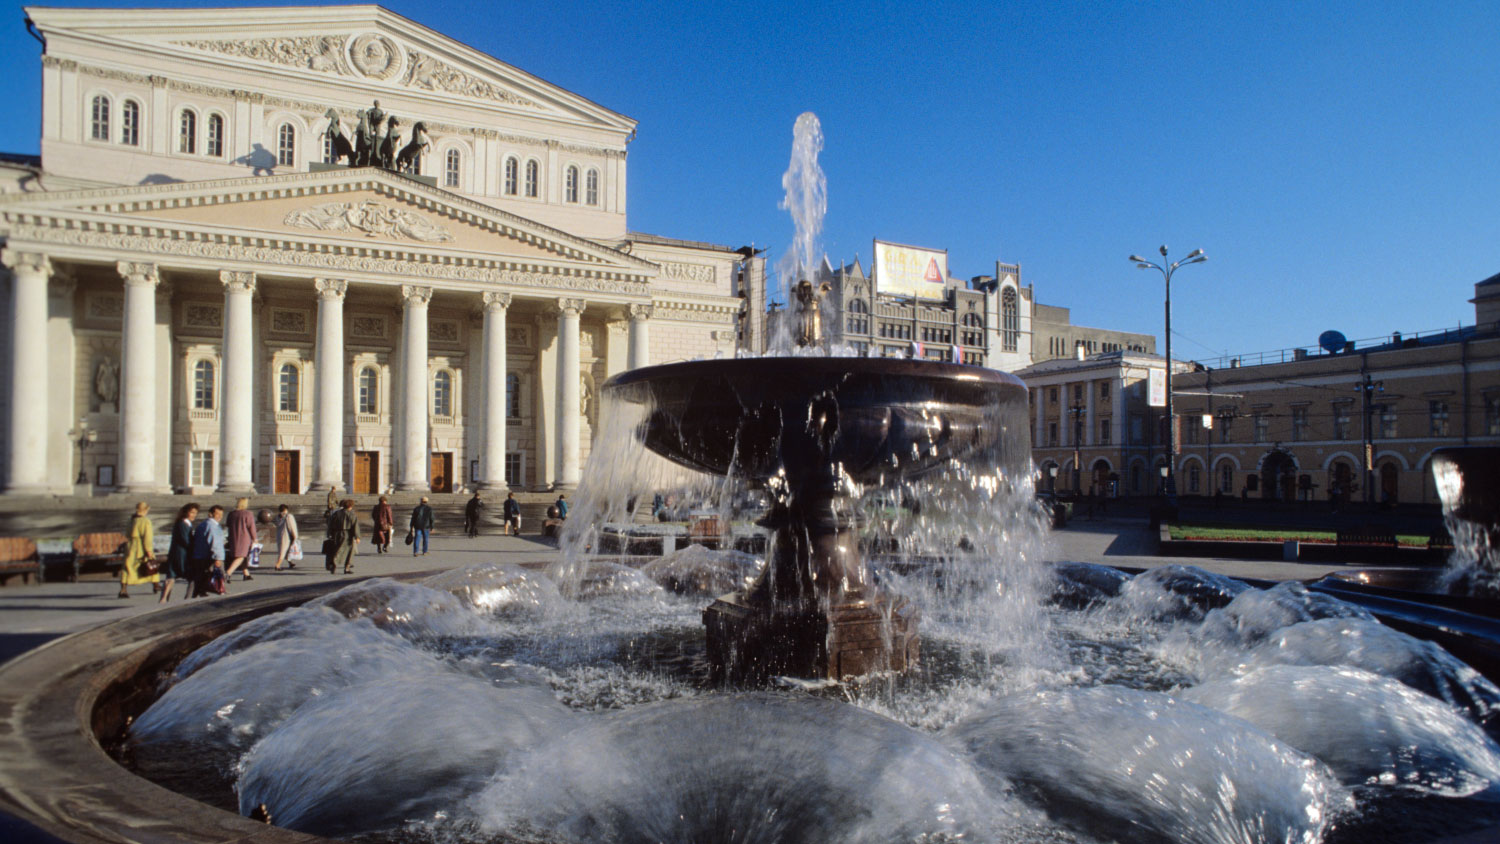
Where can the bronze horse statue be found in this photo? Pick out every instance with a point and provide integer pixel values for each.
(342, 149)
(409, 160)
(390, 141)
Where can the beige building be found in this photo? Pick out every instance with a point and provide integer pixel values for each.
(204, 305)
(1298, 430)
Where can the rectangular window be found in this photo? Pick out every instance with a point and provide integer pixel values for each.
(1226, 478)
(513, 469)
(201, 468)
(1104, 427)
(1341, 421)
(1078, 392)
(1387, 414)
(1104, 390)
(1299, 424)
(1052, 433)
(1191, 424)
(1226, 422)
(214, 143)
(1437, 415)
(1492, 415)
(1135, 429)
(1052, 394)
(1262, 427)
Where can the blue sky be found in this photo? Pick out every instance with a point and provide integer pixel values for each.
(1339, 162)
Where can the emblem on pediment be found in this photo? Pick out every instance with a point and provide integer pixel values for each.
(375, 55)
(314, 52)
(375, 219)
(431, 74)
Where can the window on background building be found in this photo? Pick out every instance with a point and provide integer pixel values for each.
(1492, 415)
(1437, 418)
(442, 393)
(369, 392)
(1195, 478)
(1299, 424)
(1078, 393)
(859, 317)
(1262, 427)
(513, 469)
(1137, 429)
(1226, 477)
(512, 169)
(187, 132)
(1052, 433)
(451, 161)
(286, 146)
(1052, 395)
(203, 385)
(533, 178)
(289, 389)
(513, 396)
(1104, 431)
(201, 468)
(1135, 478)
(973, 330)
(1191, 425)
(591, 188)
(1104, 390)
(1341, 421)
(213, 143)
(570, 185)
(130, 123)
(1010, 320)
(328, 154)
(1387, 416)
(1226, 422)
(99, 118)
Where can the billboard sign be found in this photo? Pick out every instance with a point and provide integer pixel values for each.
(910, 271)
(1156, 388)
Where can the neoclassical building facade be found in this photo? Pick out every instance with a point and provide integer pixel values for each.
(196, 302)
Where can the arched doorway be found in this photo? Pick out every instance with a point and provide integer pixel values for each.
(1340, 483)
(1278, 476)
(1099, 481)
(1389, 475)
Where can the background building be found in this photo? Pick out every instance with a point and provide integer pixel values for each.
(198, 300)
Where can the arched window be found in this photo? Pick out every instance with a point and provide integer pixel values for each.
(328, 154)
(369, 391)
(213, 144)
(442, 393)
(289, 389)
(1226, 477)
(513, 396)
(130, 123)
(187, 132)
(532, 178)
(450, 169)
(591, 188)
(858, 320)
(570, 185)
(203, 385)
(286, 146)
(511, 171)
(1195, 478)
(1010, 320)
(99, 121)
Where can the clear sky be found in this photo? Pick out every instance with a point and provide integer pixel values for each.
(1339, 162)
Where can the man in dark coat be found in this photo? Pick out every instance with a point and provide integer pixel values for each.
(343, 533)
(421, 527)
(512, 514)
(471, 515)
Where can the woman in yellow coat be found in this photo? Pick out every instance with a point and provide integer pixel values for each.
(137, 550)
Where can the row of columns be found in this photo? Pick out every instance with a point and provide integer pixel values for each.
(28, 427)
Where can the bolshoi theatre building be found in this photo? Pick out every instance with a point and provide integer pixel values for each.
(197, 300)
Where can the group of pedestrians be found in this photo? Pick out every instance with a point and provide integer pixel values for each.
(204, 553)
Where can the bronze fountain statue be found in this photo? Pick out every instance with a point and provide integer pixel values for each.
(811, 431)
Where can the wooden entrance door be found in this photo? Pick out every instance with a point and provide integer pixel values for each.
(288, 479)
(366, 472)
(442, 471)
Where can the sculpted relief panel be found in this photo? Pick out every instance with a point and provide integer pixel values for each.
(430, 74)
(677, 271)
(375, 55)
(375, 219)
(314, 52)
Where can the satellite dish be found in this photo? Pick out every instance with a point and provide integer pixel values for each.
(1332, 341)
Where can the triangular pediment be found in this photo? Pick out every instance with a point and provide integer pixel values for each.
(364, 47)
(342, 210)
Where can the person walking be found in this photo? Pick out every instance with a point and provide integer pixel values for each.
(421, 527)
(207, 554)
(471, 515)
(240, 529)
(333, 500)
(562, 507)
(179, 553)
(385, 524)
(286, 537)
(138, 551)
(343, 532)
(512, 514)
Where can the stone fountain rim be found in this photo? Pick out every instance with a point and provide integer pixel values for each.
(53, 711)
(899, 367)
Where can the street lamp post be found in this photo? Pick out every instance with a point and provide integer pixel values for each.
(1077, 412)
(1167, 270)
(85, 437)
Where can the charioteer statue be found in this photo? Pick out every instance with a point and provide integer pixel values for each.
(377, 141)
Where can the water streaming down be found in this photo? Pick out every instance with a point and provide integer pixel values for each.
(1050, 703)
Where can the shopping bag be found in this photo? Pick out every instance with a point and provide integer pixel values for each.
(253, 559)
(410, 535)
(294, 553)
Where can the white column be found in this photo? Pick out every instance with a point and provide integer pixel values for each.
(415, 402)
(28, 370)
(1090, 436)
(236, 411)
(138, 380)
(328, 448)
(640, 337)
(495, 397)
(1041, 417)
(569, 395)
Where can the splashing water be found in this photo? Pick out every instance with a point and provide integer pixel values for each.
(806, 199)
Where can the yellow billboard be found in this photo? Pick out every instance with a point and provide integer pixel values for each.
(910, 271)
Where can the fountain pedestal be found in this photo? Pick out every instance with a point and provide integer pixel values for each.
(748, 644)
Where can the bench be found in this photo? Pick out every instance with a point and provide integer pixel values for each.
(1367, 537)
(708, 531)
(106, 548)
(18, 556)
